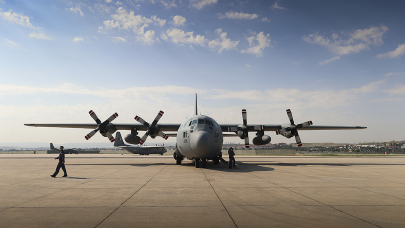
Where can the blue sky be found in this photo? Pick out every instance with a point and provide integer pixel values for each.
(335, 63)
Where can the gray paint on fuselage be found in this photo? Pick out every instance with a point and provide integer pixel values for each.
(200, 137)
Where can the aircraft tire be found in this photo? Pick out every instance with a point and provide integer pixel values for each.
(203, 163)
(178, 161)
(215, 160)
(197, 162)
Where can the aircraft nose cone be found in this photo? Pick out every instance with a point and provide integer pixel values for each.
(201, 143)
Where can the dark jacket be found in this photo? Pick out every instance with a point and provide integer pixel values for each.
(231, 153)
(61, 156)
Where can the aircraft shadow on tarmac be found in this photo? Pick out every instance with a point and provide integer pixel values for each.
(242, 167)
(316, 164)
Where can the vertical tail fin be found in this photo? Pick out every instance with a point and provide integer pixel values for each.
(118, 140)
(52, 147)
(196, 111)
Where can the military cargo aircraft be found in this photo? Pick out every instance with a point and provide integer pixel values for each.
(145, 150)
(200, 137)
(67, 151)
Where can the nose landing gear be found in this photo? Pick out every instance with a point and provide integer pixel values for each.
(200, 162)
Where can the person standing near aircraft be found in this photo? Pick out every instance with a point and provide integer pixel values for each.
(231, 154)
(61, 163)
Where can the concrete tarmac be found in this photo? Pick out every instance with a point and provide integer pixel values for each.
(152, 191)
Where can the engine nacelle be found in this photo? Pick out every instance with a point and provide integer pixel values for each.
(262, 140)
(132, 139)
(109, 127)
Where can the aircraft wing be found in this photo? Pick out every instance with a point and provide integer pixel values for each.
(275, 127)
(163, 127)
(323, 127)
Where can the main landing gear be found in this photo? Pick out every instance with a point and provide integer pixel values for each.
(178, 158)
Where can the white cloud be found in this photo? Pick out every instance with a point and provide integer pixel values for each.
(118, 39)
(199, 4)
(240, 16)
(39, 36)
(257, 44)
(393, 73)
(168, 4)
(147, 37)
(129, 21)
(264, 19)
(329, 60)
(395, 53)
(103, 8)
(248, 65)
(357, 41)
(16, 18)
(304, 99)
(163, 37)
(179, 20)
(77, 10)
(68, 88)
(179, 36)
(222, 43)
(108, 1)
(118, 3)
(11, 42)
(158, 21)
(276, 6)
(77, 39)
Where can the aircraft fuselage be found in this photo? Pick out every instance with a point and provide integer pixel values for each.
(200, 137)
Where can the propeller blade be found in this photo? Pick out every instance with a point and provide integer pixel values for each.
(115, 115)
(141, 121)
(94, 116)
(163, 135)
(306, 124)
(298, 140)
(290, 116)
(247, 141)
(110, 137)
(89, 135)
(244, 116)
(157, 118)
(144, 137)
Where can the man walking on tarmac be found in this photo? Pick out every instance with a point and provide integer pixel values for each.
(61, 163)
(231, 158)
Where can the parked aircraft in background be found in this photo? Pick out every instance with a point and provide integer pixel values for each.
(200, 137)
(67, 151)
(144, 150)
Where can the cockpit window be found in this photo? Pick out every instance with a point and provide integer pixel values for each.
(194, 122)
(200, 121)
(207, 121)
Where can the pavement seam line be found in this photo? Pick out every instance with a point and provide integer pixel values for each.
(345, 185)
(359, 187)
(129, 197)
(219, 198)
(319, 202)
(52, 192)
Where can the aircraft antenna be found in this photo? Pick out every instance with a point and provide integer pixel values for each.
(196, 111)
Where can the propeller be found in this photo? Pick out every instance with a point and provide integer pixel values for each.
(294, 128)
(153, 129)
(243, 130)
(102, 127)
